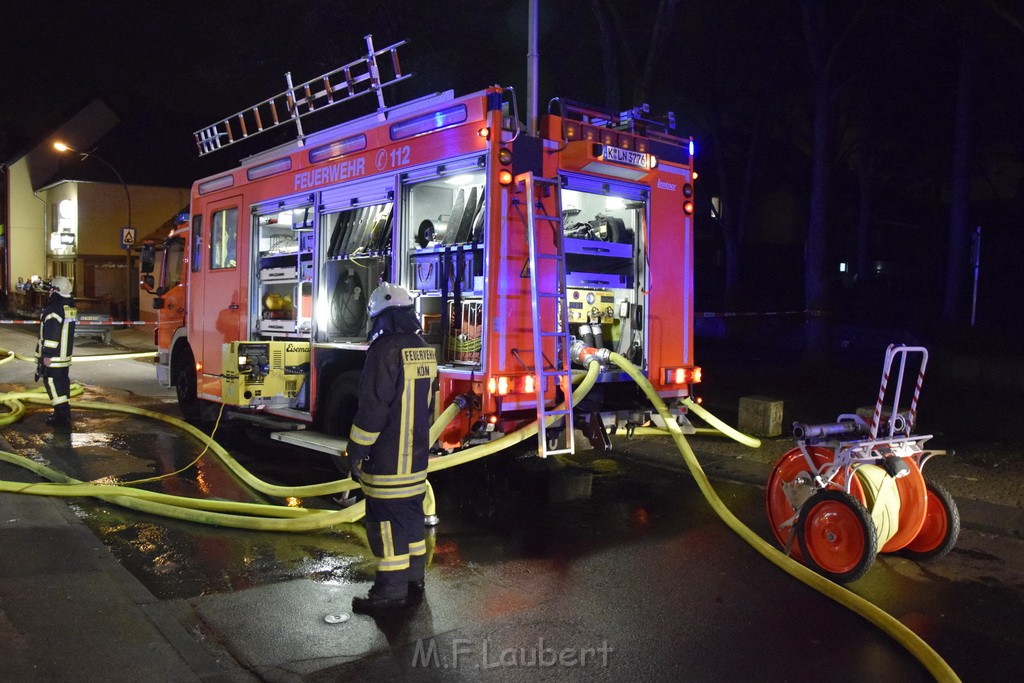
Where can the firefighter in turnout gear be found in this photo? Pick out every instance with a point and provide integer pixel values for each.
(388, 447)
(53, 351)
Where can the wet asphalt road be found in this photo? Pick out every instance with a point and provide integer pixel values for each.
(622, 564)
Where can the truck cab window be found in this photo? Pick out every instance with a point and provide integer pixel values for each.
(170, 275)
(223, 239)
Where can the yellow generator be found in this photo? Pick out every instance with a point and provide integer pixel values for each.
(264, 373)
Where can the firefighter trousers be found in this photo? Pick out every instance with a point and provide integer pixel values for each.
(58, 388)
(394, 528)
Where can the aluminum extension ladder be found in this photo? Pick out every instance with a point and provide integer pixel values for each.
(549, 301)
(345, 83)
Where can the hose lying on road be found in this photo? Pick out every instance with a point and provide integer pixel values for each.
(279, 518)
(253, 516)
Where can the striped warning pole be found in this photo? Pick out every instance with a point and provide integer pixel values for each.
(876, 417)
(917, 388)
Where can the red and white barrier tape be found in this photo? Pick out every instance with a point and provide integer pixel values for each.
(739, 314)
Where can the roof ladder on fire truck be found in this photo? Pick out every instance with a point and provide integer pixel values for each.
(550, 308)
(361, 77)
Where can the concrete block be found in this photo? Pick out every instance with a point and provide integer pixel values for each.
(760, 416)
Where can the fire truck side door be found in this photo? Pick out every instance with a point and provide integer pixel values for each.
(222, 295)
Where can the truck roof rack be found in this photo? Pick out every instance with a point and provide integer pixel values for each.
(347, 82)
(636, 120)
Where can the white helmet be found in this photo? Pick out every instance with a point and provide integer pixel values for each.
(61, 285)
(388, 295)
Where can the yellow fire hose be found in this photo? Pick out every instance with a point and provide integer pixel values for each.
(227, 513)
(261, 517)
(904, 636)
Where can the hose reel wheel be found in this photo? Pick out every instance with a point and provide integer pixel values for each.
(837, 537)
(785, 480)
(940, 529)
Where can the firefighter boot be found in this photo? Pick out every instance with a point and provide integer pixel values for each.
(61, 424)
(385, 594)
(372, 603)
(417, 585)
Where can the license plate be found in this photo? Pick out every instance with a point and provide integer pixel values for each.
(626, 156)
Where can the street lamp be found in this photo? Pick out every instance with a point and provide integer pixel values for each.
(61, 147)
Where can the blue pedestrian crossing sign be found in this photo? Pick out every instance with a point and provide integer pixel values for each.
(127, 238)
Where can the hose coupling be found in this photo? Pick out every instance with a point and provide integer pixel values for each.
(585, 355)
(462, 401)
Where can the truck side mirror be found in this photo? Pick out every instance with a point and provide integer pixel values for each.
(147, 260)
(146, 283)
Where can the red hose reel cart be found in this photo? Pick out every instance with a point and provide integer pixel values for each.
(854, 488)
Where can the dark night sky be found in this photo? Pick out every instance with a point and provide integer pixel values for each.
(188, 64)
(733, 72)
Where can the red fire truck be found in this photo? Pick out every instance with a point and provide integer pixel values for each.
(514, 245)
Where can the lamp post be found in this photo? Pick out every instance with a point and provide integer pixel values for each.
(61, 147)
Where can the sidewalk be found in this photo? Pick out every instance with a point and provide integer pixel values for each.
(69, 611)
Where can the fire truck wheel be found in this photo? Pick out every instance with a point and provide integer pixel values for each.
(941, 527)
(340, 409)
(185, 384)
(837, 537)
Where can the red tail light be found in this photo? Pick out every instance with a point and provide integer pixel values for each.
(683, 375)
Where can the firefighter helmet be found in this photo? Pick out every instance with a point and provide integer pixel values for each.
(61, 285)
(388, 295)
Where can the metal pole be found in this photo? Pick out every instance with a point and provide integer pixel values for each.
(128, 250)
(976, 261)
(532, 59)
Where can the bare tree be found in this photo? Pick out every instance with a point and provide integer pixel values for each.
(822, 51)
(615, 43)
(956, 256)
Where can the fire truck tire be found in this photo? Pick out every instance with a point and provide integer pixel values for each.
(186, 386)
(340, 409)
(837, 537)
(941, 527)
